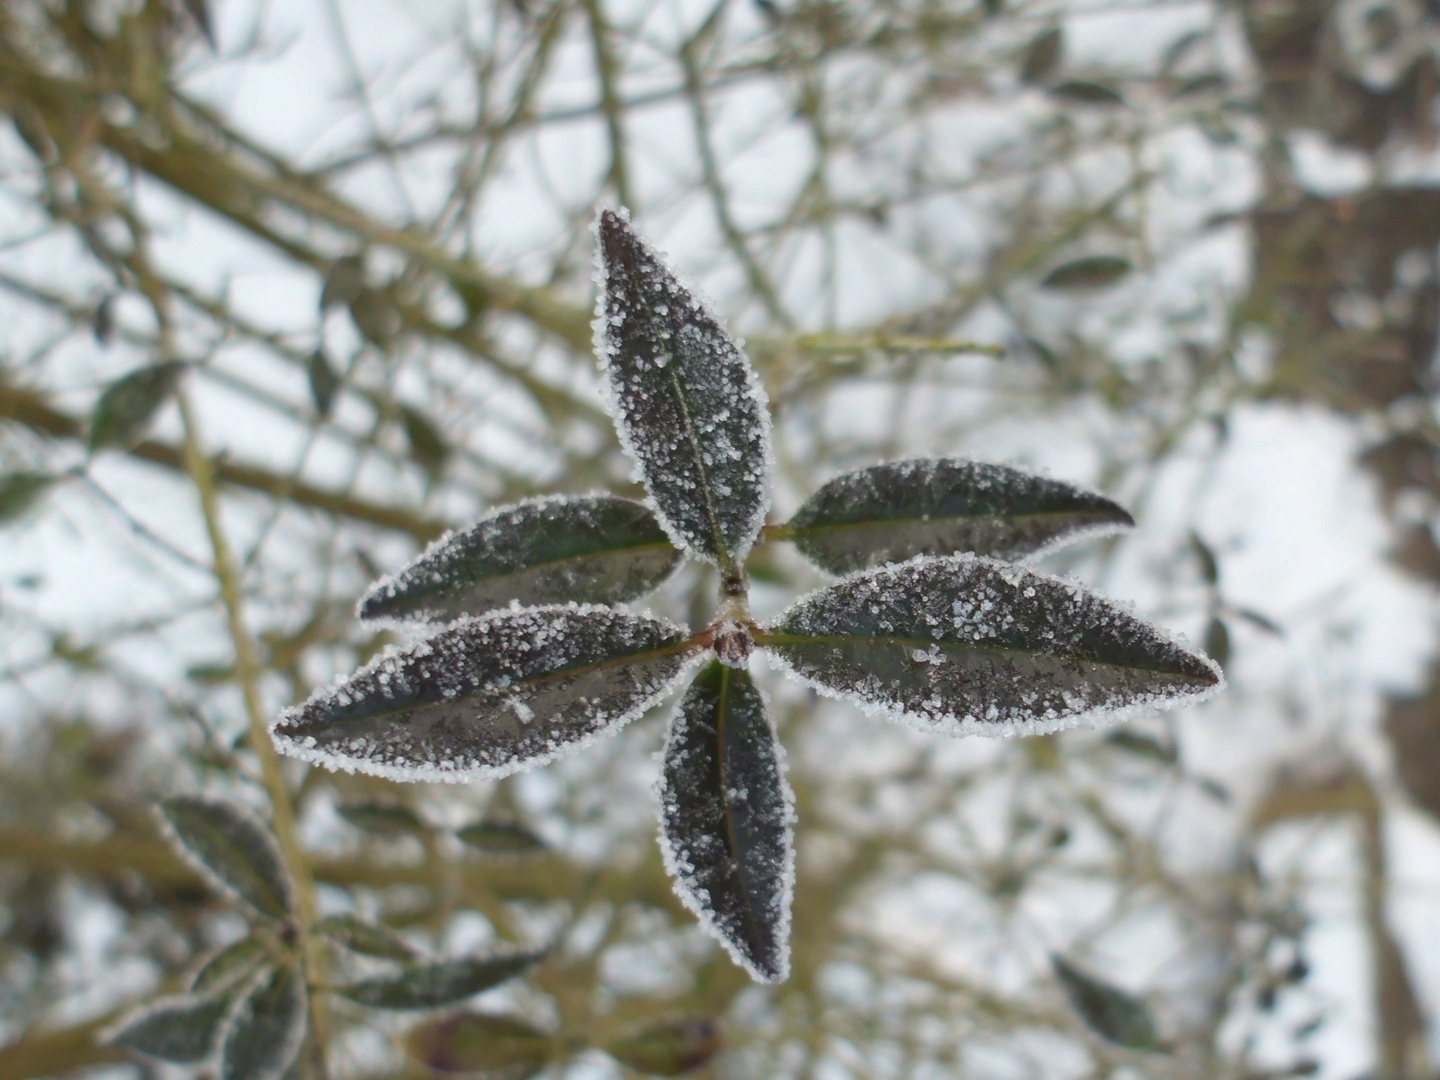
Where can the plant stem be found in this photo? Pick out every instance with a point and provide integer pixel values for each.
(247, 674)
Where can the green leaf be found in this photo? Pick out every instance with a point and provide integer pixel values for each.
(324, 383)
(1132, 742)
(233, 849)
(1042, 55)
(427, 446)
(344, 282)
(200, 11)
(725, 812)
(486, 1047)
(20, 491)
(269, 1028)
(1260, 622)
(1201, 84)
(1217, 641)
(688, 406)
(669, 1047)
(500, 838)
(491, 696)
(375, 317)
(893, 512)
(126, 408)
(1085, 92)
(230, 965)
(595, 549)
(444, 982)
(102, 321)
(383, 819)
(177, 1029)
(1111, 1013)
(367, 938)
(967, 645)
(1090, 272)
(1205, 556)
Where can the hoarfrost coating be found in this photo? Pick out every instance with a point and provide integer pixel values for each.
(687, 404)
(970, 645)
(598, 549)
(231, 849)
(941, 506)
(725, 819)
(491, 696)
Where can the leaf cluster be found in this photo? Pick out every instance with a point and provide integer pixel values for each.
(932, 627)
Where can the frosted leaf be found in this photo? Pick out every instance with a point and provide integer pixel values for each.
(1007, 651)
(178, 1029)
(1120, 1017)
(268, 1029)
(444, 982)
(688, 406)
(230, 965)
(893, 512)
(446, 708)
(232, 849)
(725, 812)
(596, 549)
(366, 938)
(126, 407)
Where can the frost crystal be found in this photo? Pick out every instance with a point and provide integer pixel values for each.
(969, 645)
(893, 512)
(492, 696)
(725, 814)
(597, 549)
(688, 406)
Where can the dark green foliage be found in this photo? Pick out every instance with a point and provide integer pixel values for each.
(1090, 272)
(383, 819)
(1085, 92)
(366, 938)
(269, 1028)
(688, 406)
(427, 445)
(1042, 55)
(20, 491)
(500, 838)
(233, 848)
(1111, 1013)
(486, 1047)
(590, 549)
(1132, 742)
(444, 982)
(892, 512)
(230, 965)
(126, 408)
(669, 1047)
(324, 383)
(725, 819)
(344, 282)
(966, 645)
(491, 696)
(1217, 641)
(182, 1030)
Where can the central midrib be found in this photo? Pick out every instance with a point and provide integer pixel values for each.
(722, 554)
(723, 760)
(770, 639)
